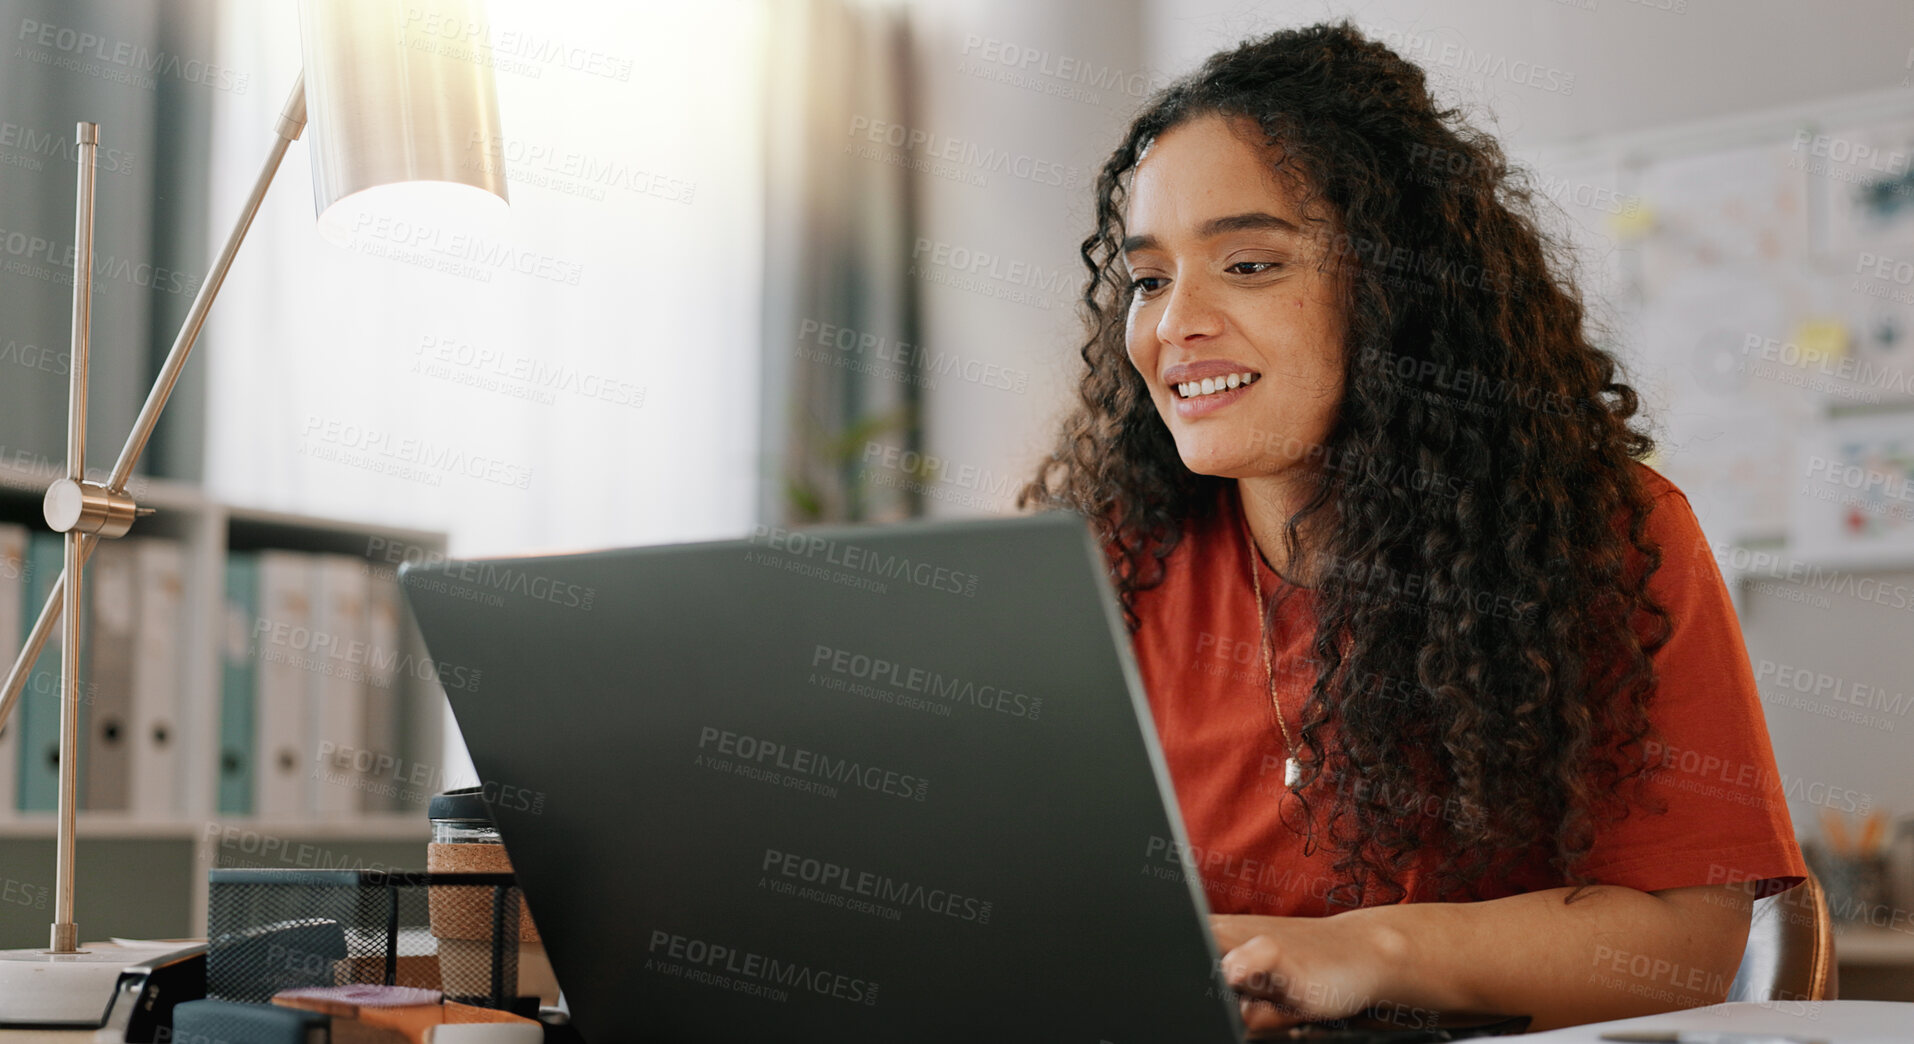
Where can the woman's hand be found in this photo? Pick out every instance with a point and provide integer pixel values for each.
(1529, 954)
(1302, 969)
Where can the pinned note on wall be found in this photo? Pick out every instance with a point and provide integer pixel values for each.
(1821, 339)
(1635, 220)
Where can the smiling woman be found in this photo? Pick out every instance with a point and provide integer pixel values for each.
(1374, 504)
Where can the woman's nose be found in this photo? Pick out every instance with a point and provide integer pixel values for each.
(1189, 314)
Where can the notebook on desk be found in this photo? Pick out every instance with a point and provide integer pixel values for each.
(875, 783)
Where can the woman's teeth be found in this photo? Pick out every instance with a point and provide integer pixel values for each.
(1212, 385)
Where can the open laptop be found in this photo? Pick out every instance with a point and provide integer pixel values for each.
(892, 783)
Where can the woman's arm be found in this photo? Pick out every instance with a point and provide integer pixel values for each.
(1613, 953)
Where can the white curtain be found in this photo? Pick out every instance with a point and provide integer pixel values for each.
(590, 378)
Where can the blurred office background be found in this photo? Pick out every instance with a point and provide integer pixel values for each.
(772, 262)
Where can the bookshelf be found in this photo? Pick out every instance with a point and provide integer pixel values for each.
(138, 855)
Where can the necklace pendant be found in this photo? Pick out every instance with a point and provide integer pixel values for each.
(1292, 772)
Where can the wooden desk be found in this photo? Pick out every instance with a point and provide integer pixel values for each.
(1876, 963)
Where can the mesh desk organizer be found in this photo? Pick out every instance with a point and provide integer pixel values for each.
(270, 930)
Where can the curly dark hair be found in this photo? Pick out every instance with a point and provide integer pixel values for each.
(1469, 357)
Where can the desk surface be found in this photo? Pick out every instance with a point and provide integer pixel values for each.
(1837, 1022)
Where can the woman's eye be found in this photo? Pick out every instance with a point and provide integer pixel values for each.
(1253, 267)
(1146, 284)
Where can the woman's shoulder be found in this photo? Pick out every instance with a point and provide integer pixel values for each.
(1671, 523)
(1655, 484)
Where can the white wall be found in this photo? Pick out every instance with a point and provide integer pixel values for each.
(1074, 76)
(1592, 66)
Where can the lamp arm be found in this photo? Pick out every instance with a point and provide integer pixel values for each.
(290, 125)
(65, 936)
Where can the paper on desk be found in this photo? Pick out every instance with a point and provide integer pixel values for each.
(151, 944)
(1837, 1022)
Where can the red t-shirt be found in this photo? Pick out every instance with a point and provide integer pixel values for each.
(1726, 816)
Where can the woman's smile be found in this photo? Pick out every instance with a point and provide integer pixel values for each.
(1199, 397)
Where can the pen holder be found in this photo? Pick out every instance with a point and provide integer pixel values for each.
(476, 942)
(1900, 865)
(1856, 885)
(270, 930)
(465, 840)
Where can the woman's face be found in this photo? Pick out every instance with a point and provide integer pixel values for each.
(1229, 281)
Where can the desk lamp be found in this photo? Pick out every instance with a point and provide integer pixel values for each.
(393, 111)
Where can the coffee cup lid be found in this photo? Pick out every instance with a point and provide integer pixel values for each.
(465, 804)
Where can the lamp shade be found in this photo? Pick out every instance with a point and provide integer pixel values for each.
(400, 99)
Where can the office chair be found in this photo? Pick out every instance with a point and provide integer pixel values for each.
(1790, 952)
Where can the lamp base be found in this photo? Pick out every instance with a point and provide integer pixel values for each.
(46, 990)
